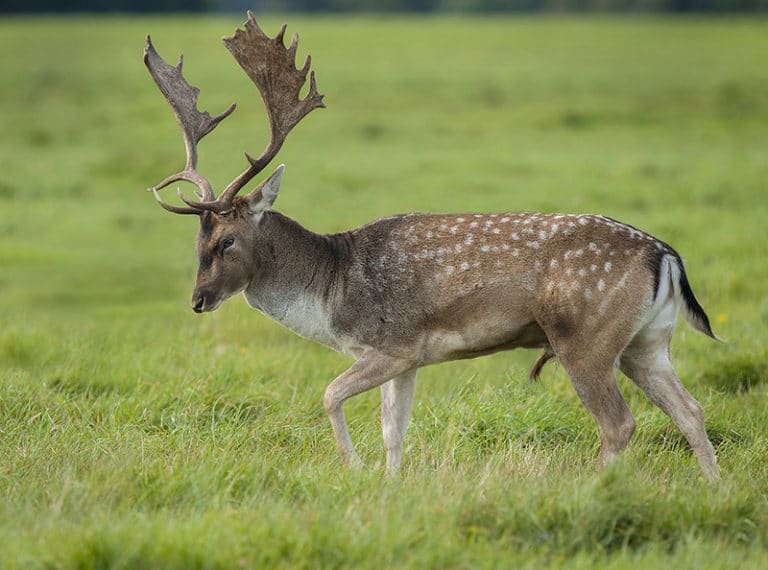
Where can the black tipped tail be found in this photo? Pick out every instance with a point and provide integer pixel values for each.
(693, 311)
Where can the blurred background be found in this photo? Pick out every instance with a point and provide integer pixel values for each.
(480, 6)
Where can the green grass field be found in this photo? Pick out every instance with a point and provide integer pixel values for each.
(135, 434)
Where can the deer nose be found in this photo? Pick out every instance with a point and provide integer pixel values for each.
(197, 304)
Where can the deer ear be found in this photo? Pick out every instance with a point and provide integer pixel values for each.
(264, 196)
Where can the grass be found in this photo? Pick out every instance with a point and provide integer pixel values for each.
(135, 434)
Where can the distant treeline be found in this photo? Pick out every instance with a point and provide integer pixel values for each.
(52, 6)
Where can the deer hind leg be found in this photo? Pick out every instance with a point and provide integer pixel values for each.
(371, 370)
(588, 354)
(596, 387)
(396, 402)
(648, 365)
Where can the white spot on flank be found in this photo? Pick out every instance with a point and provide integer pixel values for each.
(459, 220)
(477, 215)
(454, 229)
(571, 225)
(587, 294)
(450, 269)
(429, 234)
(542, 235)
(473, 225)
(607, 265)
(532, 244)
(504, 220)
(583, 221)
(469, 239)
(553, 263)
(485, 248)
(567, 254)
(457, 248)
(601, 285)
(496, 230)
(505, 246)
(515, 252)
(582, 272)
(464, 266)
(569, 271)
(554, 228)
(443, 227)
(578, 253)
(515, 236)
(537, 265)
(593, 268)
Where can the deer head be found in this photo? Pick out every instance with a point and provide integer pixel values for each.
(229, 224)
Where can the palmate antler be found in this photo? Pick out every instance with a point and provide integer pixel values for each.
(271, 66)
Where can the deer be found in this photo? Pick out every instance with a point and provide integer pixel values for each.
(411, 290)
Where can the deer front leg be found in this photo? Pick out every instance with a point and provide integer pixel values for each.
(371, 370)
(396, 401)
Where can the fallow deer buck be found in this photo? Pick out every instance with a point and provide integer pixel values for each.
(411, 290)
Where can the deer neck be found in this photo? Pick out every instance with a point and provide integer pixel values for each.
(297, 276)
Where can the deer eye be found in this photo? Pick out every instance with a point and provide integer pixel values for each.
(227, 243)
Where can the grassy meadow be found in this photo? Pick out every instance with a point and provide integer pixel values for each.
(135, 434)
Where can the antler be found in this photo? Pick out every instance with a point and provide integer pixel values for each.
(271, 66)
(194, 124)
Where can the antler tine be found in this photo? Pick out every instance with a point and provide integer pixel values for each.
(194, 124)
(175, 209)
(272, 67)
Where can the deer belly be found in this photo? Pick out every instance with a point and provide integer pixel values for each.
(482, 339)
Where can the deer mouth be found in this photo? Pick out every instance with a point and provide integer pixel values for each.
(203, 304)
